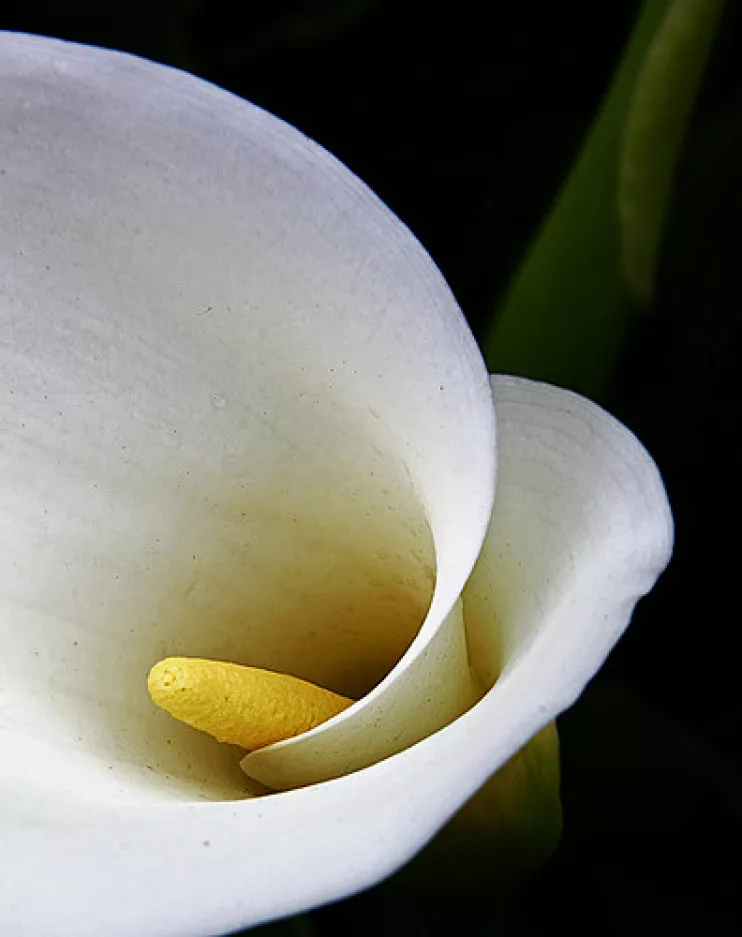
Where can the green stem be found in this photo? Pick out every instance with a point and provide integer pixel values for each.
(660, 111)
(566, 312)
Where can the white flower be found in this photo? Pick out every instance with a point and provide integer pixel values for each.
(243, 418)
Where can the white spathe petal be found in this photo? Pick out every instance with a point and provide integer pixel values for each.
(575, 487)
(242, 417)
(580, 529)
(432, 686)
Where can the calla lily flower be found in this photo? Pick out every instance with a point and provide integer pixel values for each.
(242, 418)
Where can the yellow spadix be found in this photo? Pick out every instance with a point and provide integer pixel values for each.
(244, 706)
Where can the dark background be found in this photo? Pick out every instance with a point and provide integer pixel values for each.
(465, 117)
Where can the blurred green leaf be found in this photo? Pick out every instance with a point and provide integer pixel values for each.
(661, 107)
(510, 826)
(653, 817)
(652, 822)
(569, 306)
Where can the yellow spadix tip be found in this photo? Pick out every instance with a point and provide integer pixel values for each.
(244, 706)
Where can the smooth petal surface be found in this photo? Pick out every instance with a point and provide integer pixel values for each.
(574, 488)
(580, 529)
(510, 827)
(242, 418)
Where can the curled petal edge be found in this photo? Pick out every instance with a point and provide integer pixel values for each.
(573, 478)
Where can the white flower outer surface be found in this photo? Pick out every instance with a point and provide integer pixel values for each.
(242, 417)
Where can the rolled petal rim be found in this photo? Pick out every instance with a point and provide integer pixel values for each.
(246, 421)
(251, 862)
(579, 531)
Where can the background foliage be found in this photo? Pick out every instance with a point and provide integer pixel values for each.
(465, 117)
